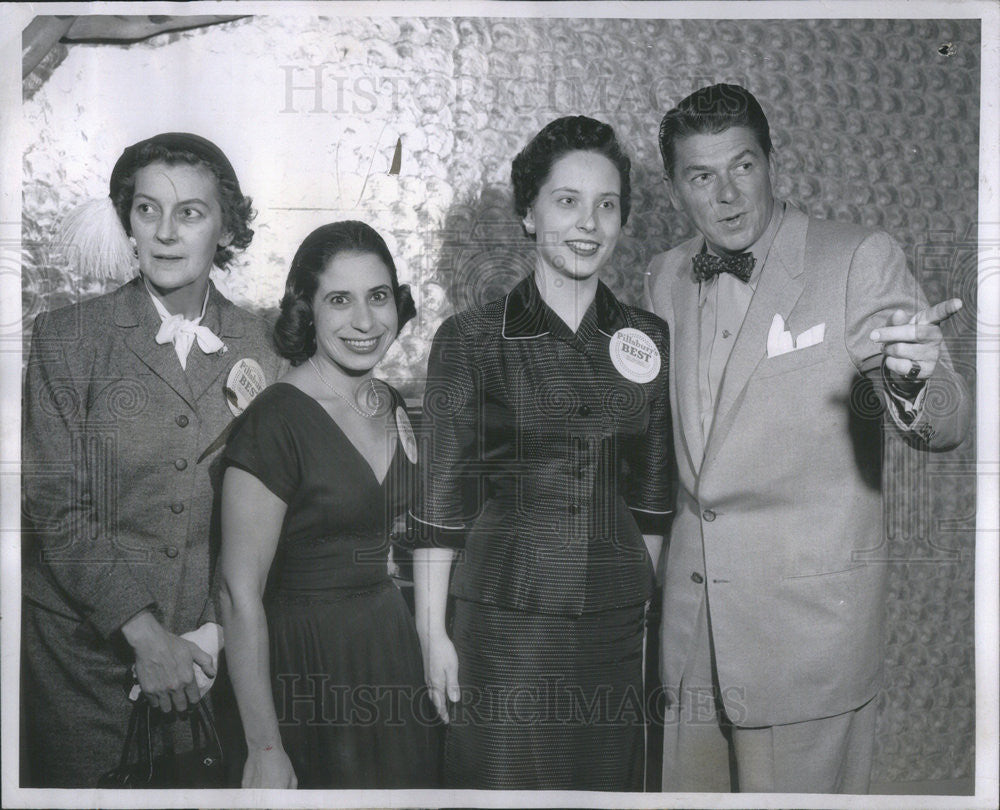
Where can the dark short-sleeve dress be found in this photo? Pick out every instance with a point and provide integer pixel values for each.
(548, 455)
(346, 668)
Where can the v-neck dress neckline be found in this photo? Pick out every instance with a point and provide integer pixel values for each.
(347, 438)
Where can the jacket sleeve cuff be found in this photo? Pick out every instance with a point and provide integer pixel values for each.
(425, 534)
(116, 606)
(651, 522)
(905, 406)
(938, 415)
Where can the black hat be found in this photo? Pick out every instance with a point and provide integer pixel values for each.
(201, 147)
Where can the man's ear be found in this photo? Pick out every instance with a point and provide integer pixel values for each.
(672, 193)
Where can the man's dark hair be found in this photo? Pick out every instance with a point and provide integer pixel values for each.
(711, 110)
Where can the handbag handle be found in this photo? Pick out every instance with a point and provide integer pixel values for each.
(138, 740)
(136, 766)
(203, 723)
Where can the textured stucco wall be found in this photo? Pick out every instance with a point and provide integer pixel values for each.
(872, 124)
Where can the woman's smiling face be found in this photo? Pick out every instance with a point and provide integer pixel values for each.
(576, 217)
(354, 311)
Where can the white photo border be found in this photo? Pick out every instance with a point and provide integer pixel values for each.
(13, 18)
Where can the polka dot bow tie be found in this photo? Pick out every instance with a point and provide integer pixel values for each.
(707, 266)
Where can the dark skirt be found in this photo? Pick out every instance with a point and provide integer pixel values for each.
(347, 678)
(548, 702)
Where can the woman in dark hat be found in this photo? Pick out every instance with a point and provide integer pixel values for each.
(550, 404)
(323, 652)
(125, 400)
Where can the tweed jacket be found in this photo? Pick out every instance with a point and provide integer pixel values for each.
(779, 516)
(564, 457)
(119, 505)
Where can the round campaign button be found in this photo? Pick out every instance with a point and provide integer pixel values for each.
(406, 435)
(245, 381)
(634, 355)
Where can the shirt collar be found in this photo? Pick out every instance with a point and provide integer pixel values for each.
(759, 249)
(162, 310)
(527, 316)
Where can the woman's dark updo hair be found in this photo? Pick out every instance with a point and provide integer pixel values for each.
(575, 133)
(173, 148)
(295, 331)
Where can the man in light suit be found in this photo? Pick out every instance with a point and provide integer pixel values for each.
(790, 337)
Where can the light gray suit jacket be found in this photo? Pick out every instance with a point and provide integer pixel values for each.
(779, 511)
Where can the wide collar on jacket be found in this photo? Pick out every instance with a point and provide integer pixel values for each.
(134, 313)
(527, 316)
(778, 290)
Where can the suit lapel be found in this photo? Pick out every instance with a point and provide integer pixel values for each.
(779, 288)
(204, 369)
(684, 298)
(135, 311)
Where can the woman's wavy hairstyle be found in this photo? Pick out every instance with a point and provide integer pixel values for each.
(574, 133)
(237, 209)
(295, 331)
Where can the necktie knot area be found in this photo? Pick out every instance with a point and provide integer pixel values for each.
(707, 266)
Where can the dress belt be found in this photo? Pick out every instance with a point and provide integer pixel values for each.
(327, 595)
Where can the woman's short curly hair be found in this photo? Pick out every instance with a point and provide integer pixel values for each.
(295, 330)
(237, 209)
(574, 133)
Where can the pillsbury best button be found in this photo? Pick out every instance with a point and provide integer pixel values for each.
(634, 355)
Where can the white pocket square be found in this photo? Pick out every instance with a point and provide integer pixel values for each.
(779, 339)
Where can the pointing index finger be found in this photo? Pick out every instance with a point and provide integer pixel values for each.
(939, 312)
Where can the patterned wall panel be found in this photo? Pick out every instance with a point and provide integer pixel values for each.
(874, 121)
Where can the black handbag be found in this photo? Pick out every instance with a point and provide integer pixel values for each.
(201, 767)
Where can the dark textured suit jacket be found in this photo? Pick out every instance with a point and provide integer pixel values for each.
(569, 457)
(779, 510)
(120, 514)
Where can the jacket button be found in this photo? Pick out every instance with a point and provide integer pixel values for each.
(709, 515)
(574, 508)
(177, 508)
(171, 551)
(697, 578)
(583, 410)
(182, 420)
(181, 464)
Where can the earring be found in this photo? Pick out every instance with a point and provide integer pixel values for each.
(135, 246)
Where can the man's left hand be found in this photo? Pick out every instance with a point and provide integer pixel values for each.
(912, 345)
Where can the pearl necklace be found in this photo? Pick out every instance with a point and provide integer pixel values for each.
(355, 408)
